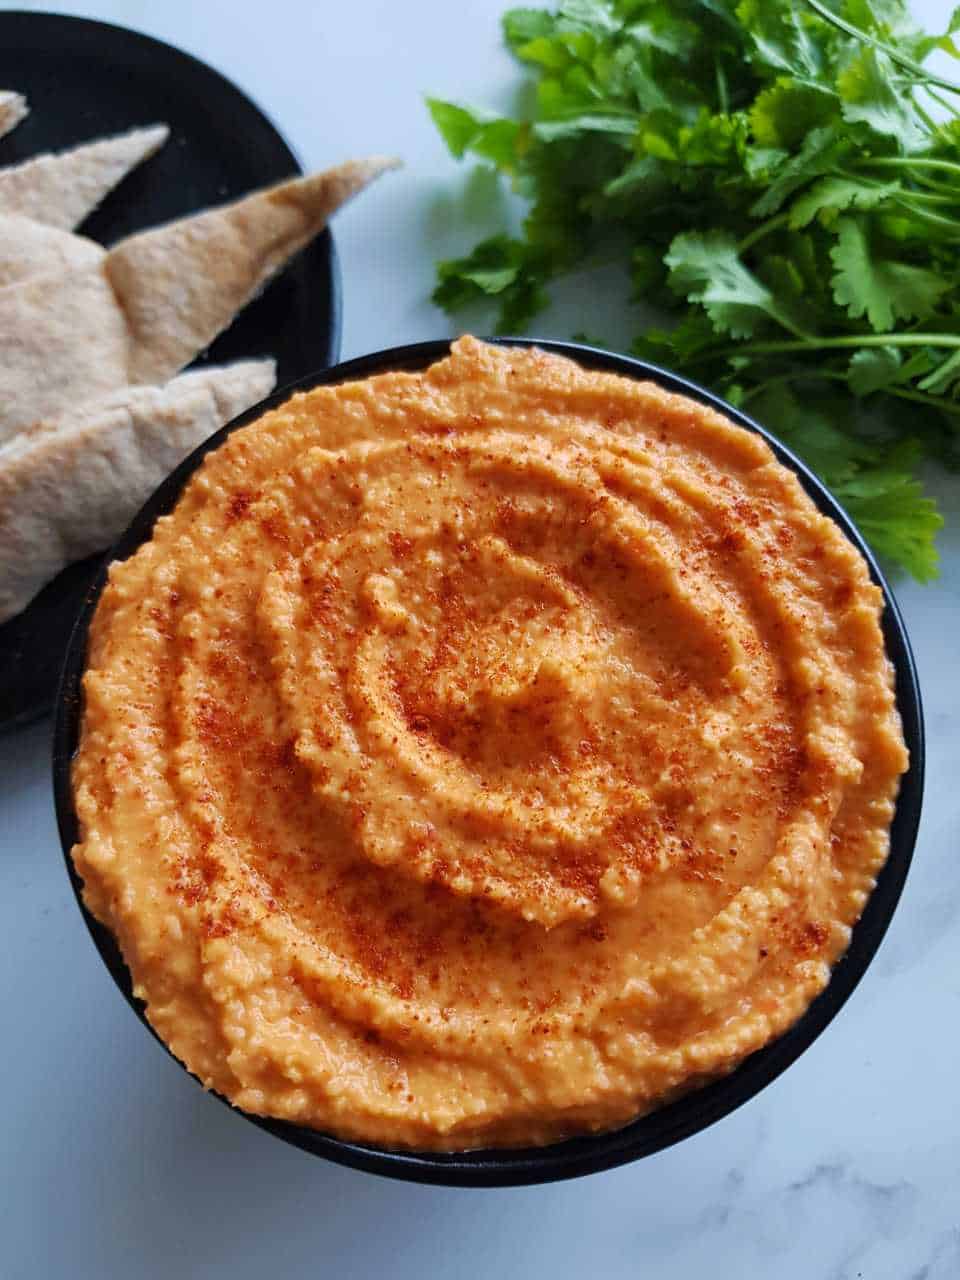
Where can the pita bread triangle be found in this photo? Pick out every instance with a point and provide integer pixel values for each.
(157, 299)
(63, 188)
(70, 486)
(181, 284)
(13, 107)
(29, 248)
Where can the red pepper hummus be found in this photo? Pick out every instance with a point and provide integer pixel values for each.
(484, 755)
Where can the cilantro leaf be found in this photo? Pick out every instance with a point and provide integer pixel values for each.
(783, 114)
(876, 287)
(705, 268)
(498, 268)
(618, 123)
(811, 431)
(829, 196)
(521, 26)
(784, 276)
(874, 368)
(666, 32)
(821, 151)
(877, 487)
(889, 507)
(781, 41)
(465, 130)
(689, 338)
(944, 377)
(870, 96)
(592, 15)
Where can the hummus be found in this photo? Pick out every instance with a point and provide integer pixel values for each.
(484, 755)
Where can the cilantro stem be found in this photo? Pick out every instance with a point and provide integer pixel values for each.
(942, 186)
(785, 345)
(759, 232)
(910, 162)
(936, 218)
(928, 197)
(948, 107)
(930, 123)
(863, 340)
(939, 403)
(893, 54)
(797, 375)
(723, 92)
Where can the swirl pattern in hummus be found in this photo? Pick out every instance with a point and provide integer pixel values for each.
(484, 755)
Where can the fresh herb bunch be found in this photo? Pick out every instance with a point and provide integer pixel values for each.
(785, 178)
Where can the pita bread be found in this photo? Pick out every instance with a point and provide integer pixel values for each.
(113, 454)
(157, 299)
(29, 248)
(64, 188)
(182, 284)
(65, 343)
(13, 107)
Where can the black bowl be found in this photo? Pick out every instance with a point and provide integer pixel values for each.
(694, 1111)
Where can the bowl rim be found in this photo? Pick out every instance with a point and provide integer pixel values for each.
(693, 1111)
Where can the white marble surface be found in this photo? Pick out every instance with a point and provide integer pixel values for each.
(114, 1164)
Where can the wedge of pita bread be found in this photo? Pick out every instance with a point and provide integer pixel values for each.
(62, 189)
(13, 107)
(181, 284)
(29, 248)
(64, 343)
(157, 299)
(69, 487)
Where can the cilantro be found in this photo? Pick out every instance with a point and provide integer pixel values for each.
(875, 485)
(506, 269)
(888, 505)
(465, 130)
(878, 288)
(874, 369)
(828, 196)
(782, 181)
(705, 268)
(520, 26)
(822, 150)
(871, 95)
(784, 114)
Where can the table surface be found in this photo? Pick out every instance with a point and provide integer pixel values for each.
(115, 1164)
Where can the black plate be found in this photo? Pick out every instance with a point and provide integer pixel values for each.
(84, 80)
(697, 1110)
